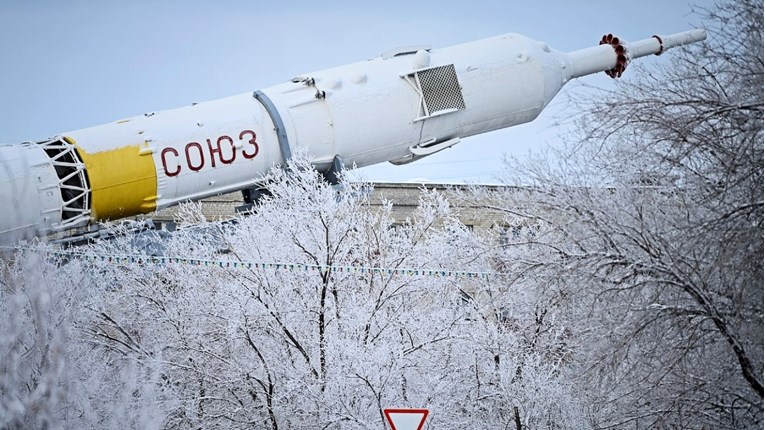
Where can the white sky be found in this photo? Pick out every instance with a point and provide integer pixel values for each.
(66, 65)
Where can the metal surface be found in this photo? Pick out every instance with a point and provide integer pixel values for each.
(281, 135)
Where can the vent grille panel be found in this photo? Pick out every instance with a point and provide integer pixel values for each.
(440, 89)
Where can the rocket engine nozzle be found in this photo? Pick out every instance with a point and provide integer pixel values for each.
(621, 55)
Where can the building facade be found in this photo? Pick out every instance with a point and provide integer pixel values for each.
(404, 197)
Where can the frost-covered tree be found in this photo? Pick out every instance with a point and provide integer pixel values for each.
(651, 225)
(32, 343)
(50, 375)
(316, 311)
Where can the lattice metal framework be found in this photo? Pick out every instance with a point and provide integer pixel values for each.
(73, 182)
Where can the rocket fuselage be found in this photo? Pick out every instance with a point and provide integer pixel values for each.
(399, 107)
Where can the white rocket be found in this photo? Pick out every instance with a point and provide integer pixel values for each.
(402, 106)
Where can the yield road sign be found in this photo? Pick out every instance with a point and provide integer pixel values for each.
(406, 419)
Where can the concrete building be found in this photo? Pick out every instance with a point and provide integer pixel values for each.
(404, 197)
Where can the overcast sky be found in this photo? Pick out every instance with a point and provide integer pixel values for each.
(66, 65)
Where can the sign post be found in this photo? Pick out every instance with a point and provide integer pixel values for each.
(406, 419)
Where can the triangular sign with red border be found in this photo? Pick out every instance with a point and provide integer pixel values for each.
(406, 419)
